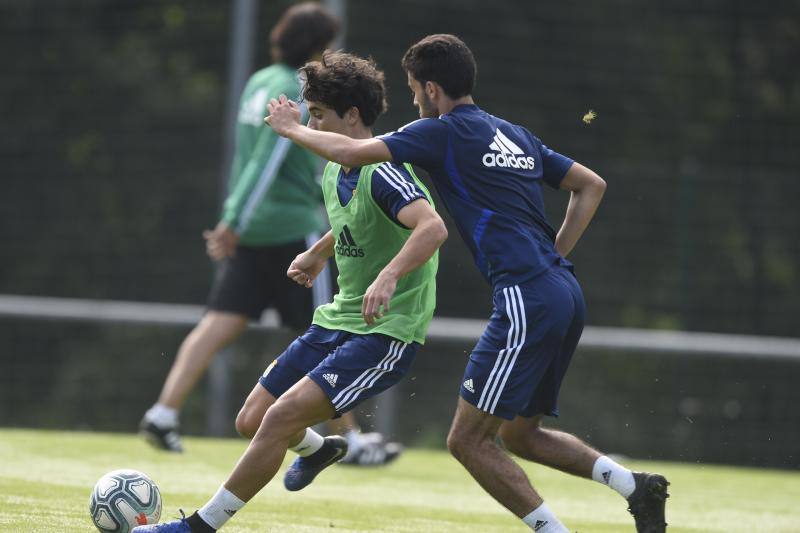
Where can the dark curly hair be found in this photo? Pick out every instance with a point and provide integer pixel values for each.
(444, 59)
(341, 81)
(303, 31)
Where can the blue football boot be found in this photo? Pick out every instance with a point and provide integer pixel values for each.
(176, 526)
(305, 469)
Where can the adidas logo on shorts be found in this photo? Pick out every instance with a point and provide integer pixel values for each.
(469, 386)
(331, 378)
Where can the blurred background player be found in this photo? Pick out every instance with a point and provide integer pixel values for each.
(385, 237)
(489, 174)
(271, 215)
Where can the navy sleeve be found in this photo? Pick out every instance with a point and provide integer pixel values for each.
(393, 188)
(554, 166)
(422, 142)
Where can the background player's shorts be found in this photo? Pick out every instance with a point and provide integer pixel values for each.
(520, 360)
(350, 368)
(255, 279)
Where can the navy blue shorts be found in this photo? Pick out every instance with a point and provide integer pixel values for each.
(520, 360)
(350, 368)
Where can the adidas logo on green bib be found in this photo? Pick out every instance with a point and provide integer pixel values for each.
(346, 245)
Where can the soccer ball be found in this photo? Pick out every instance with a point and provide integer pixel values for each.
(124, 499)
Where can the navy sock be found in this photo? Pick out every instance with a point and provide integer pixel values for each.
(320, 456)
(198, 525)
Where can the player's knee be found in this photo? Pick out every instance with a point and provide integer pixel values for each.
(247, 423)
(461, 443)
(282, 419)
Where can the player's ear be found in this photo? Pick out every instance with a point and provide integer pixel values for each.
(432, 90)
(353, 116)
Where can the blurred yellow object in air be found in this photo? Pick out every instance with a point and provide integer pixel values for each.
(589, 117)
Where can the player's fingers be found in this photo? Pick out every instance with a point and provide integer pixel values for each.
(283, 99)
(366, 309)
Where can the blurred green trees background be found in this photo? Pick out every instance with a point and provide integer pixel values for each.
(111, 144)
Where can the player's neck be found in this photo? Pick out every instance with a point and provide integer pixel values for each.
(447, 104)
(358, 132)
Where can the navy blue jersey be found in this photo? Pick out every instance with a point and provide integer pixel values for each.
(489, 175)
(392, 188)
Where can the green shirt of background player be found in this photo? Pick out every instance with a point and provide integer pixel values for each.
(364, 341)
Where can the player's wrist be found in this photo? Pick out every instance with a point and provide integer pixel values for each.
(390, 274)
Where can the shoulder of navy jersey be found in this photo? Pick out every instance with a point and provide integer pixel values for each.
(420, 142)
(393, 188)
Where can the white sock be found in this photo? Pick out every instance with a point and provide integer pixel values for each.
(542, 520)
(312, 441)
(220, 508)
(614, 475)
(162, 416)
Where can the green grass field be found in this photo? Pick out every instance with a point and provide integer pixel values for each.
(46, 477)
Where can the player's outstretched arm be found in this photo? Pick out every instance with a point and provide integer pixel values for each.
(284, 118)
(428, 234)
(306, 266)
(587, 190)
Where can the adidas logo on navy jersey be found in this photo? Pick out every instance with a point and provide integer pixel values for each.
(346, 245)
(331, 378)
(469, 386)
(510, 154)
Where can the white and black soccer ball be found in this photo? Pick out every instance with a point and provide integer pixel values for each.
(124, 499)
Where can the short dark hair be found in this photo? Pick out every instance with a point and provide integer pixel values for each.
(341, 81)
(444, 59)
(303, 30)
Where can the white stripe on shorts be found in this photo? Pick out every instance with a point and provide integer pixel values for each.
(519, 347)
(368, 378)
(514, 342)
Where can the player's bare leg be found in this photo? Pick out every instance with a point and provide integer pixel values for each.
(252, 412)
(302, 406)
(646, 493)
(526, 438)
(284, 423)
(472, 442)
(214, 331)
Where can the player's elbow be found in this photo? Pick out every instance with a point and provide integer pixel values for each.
(599, 185)
(438, 231)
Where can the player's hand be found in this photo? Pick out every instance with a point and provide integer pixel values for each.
(306, 267)
(284, 114)
(221, 242)
(377, 297)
